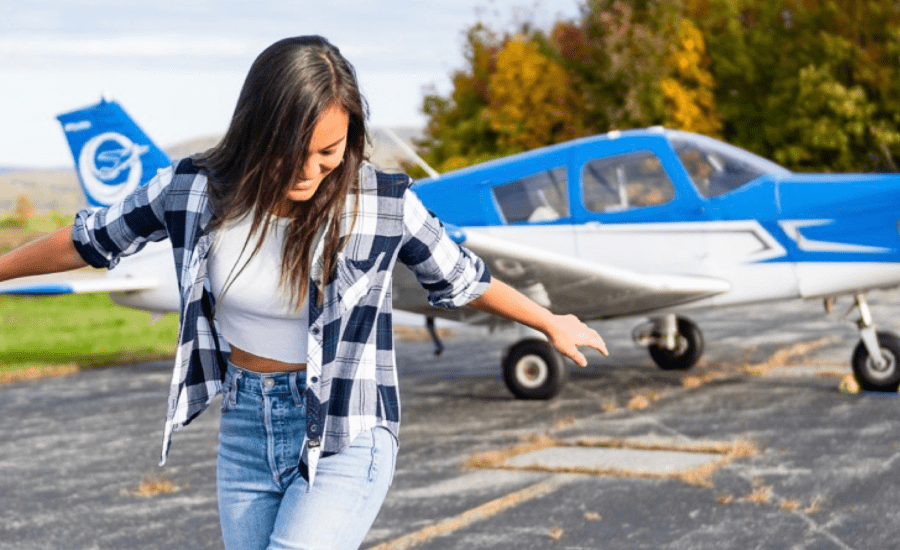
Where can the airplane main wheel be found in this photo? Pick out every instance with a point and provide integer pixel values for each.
(872, 377)
(688, 348)
(533, 369)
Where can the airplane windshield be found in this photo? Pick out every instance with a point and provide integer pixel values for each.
(717, 168)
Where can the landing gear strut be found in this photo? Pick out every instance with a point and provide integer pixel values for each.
(675, 343)
(876, 359)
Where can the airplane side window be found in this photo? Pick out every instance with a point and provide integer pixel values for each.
(536, 198)
(621, 182)
(713, 172)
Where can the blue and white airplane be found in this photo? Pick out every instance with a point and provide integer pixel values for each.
(643, 223)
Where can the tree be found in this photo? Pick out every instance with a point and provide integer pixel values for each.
(458, 131)
(690, 101)
(616, 56)
(531, 99)
(812, 84)
(829, 125)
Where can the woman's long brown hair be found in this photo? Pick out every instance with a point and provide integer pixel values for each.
(289, 86)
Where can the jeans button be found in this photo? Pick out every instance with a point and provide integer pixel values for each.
(268, 382)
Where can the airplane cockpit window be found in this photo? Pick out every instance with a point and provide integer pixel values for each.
(621, 182)
(717, 168)
(540, 197)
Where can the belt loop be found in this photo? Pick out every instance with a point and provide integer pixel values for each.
(233, 387)
(295, 391)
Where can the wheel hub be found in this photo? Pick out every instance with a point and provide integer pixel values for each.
(531, 371)
(883, 370)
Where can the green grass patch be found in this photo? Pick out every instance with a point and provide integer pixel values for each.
(57, 334)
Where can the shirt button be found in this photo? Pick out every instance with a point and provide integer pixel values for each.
(314, 330)
(268, 382)
(314, 379)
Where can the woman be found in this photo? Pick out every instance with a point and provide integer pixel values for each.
(284, 241)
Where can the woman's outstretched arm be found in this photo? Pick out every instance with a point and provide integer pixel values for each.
(565, 332)
(51, 253)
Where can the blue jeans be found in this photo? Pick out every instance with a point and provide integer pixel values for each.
(263, 501)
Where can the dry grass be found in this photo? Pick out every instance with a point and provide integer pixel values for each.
(692, 381)
(154, 484)
(38, 371)
(563, 423)
(555, 534)
(638, 403)
(474, 515)
(831, 374)
(591, 516)
(702, 475)
(788, 356)
(699, 477)
(725, 499)
(785, 357)
(493, 459)
(735, 449)
(642, 399)
(760, 495)
(814, 507)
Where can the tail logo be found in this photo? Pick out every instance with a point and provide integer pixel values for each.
(110, 167)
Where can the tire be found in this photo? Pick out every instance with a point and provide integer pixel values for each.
(688, 348)
(870, 377)
(533, 369)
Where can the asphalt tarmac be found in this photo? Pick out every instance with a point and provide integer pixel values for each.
(810, 467)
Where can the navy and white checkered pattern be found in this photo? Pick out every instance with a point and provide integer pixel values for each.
(352, 380)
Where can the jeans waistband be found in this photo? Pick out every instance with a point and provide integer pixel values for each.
(268, 382)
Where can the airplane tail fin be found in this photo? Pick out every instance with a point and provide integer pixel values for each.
(113, 156)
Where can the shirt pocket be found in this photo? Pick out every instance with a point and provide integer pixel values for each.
(356, 279)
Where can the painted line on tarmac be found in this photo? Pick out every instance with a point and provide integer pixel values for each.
(479, 513)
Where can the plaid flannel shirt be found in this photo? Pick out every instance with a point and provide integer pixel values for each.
(351, 376)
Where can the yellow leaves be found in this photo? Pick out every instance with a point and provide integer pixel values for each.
(688, 93)
(531, 102)
(691, 109)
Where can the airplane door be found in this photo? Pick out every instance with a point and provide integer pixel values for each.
(632, 214)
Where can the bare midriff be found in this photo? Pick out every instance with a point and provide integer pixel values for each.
(247, 360)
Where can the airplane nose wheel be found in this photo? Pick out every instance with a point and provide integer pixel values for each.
(881, 375)
(532, 369)
(687, 349)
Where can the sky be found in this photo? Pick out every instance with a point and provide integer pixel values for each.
(177, 65)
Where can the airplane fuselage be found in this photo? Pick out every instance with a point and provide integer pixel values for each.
(772, 235)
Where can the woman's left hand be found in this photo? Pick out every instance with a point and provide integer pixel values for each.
(567, 332)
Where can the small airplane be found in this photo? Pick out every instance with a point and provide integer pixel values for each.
(640, 223)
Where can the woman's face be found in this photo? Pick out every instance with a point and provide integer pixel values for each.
(326, 150)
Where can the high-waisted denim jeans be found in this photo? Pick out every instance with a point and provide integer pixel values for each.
(263, 501)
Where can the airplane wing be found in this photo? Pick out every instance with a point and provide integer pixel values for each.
(562, 283)
(53, 285)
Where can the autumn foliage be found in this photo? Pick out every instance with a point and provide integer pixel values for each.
(812, 85)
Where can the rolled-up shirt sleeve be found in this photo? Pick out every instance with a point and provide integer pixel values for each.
(104, 235)
(452, 275)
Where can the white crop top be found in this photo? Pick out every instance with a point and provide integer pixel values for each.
(256, 314)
